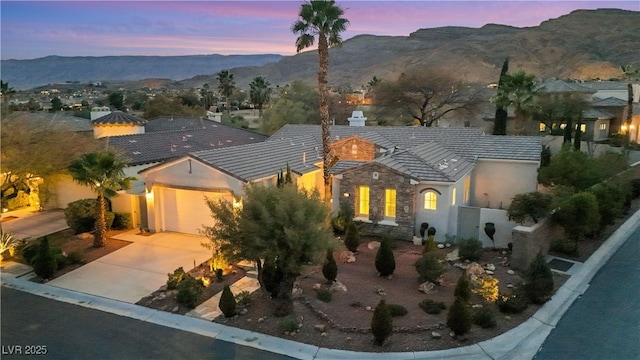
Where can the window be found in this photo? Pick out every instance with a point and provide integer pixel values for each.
(430, 200)
(354, 149)
(467, 186)
(390, 203)
(453, 196)
(363, 200)
(603, 126)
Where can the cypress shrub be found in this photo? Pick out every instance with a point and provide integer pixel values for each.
(352, 237)
(429, 267)
(538, 280)
(227, 302)
(330, 268)
(381, 323)
(459, 318)
(44, 263)
(385, 261)
(463, 288)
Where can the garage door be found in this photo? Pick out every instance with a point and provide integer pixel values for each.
(185, 210)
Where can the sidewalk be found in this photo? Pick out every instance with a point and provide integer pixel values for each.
(521, 342)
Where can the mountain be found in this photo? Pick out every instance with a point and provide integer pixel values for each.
(23, 74)
(585, 44)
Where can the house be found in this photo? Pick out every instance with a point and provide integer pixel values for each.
(394, 178)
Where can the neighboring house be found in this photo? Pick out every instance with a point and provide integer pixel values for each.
(117, 123)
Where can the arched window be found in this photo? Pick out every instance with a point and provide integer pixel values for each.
(430, 200)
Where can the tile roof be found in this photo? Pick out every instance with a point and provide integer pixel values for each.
(164, 145)
(50, 121)
(605, 85)
(610, 101)
(178, 123)
(596, 114)
(561, 86)
(119, 118)
(259, 160)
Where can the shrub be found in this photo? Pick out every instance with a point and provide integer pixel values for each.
(122, 221)
(352, 237)
(29, 251)
(243, 298)
(487, 287)
(397, 310)
(463, 288)
(385, 261)
(611, 201)
(289, 324)
(343, 219)
(534, 205)
(381, 323)
(44, 263)
(470, 249)
(324, 295)
(81, 215)
(330, 268)
(459, 318)
(538, 280)
(61, 260)
(564, 246)
(512, 304)
(429, 245)
(109, 217)
(227, 302)
(219, 273)
(635, 188)
(432, 307)
(578, 215)
(75, 257)
(430, 267)
(484, 317)
(8, 243)
(175, 279)
(189, 291)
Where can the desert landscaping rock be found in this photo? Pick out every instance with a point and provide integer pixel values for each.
(347, 257)
(373, 245)
(511, 272)
(337, 286)
(436, 335)
(427, 287)
(320, 327)
(453, 256)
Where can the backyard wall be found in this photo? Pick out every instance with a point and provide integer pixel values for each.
(528, 241)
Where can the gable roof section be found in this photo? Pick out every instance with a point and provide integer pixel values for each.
(180, 123)
(610, 101)
(595, 114)
(118, 118)
(605, 85)
(260, 160)
(561, 86)
(520, 148)
(164, 145)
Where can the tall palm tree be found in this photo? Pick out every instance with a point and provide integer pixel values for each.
(226, 85)
(260, 92)
(322, 19)
(517, 90)
(629, 73)
(103, 172)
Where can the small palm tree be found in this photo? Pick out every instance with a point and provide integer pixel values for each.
(517, 90)
(103, 172)
(322, 19)
(226, 85)
(260, 92)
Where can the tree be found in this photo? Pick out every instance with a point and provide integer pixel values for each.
(297, 104)
(352, 237)
(322, 19)
(424, 96)
(578, 215)
(463, 288)
(517, 90)
(170, 106)
(260, 92)
(116, 99)
(385, 261)
(381, 323)
(459, 318)
(227, 303)
(44, 263)
(500, 122)
(629, 73)
(538, 280)
(285, 227)
(6, 91)
(226, 86)
(103, 172)
(206, 96)
(556, 109)
(330, 268)
(534, 205)
(56, 104)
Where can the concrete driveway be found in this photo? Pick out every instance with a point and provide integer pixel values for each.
(138, 269)
(31, 224)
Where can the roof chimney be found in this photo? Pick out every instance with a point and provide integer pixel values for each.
(357, 119)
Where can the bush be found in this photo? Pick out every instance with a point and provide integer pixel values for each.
(189, 291)
(324, 295)
(470, 249)
(538, 280)
(44, 263)
(397, 310)
(352, 237)
(243, 298)
(459, 318)
(109, 217)
(343, 219)
(484, 317)
(534, 205)
(463, 288)
(20, 201)
(578, 215)
(611, 201)
(122, 221)
(512, 304)
(385, 261)
(61, 260)
(564, 246)
(289, 324)
(330, 268)
(175, 279)
(81, 215)
(635, 188)
(429, 245)
(227, 302)
(430, 267)
(381, 323)
(75, 257)
(29, 251)
(432, 307)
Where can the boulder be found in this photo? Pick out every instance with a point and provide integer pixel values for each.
(321, 328)
(490, 267)
(427, 287)
(317, 286)
(474, 269)
(347, 257)
(373, 245)
(337, 286)
(460, 266)
(436, 335)
(453, 255)
(511, 272)
(417, 240)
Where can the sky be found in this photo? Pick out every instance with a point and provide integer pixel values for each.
(33, 29)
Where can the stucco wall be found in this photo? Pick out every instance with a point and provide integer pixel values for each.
(116, 130)
(495, 182)
(503, 226)
(66, 190)
(439, 218)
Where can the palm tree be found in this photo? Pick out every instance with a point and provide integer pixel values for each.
(103, 172)
(321, 19)
(226, 85)
(517, 90)
(629, 73)
(260, 92)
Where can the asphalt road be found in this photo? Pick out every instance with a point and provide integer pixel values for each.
(59, 330)
(604, 323)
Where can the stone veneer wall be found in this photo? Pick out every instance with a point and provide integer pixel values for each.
(387, 179)
(528, 241)
(342, 149)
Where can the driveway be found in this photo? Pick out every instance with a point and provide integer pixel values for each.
(30, 224)
(138, 269)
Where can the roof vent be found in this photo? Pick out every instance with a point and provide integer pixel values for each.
(133, 141)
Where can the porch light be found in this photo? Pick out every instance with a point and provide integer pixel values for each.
(623, 128)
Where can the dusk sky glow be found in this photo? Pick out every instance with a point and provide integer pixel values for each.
(33, 29)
